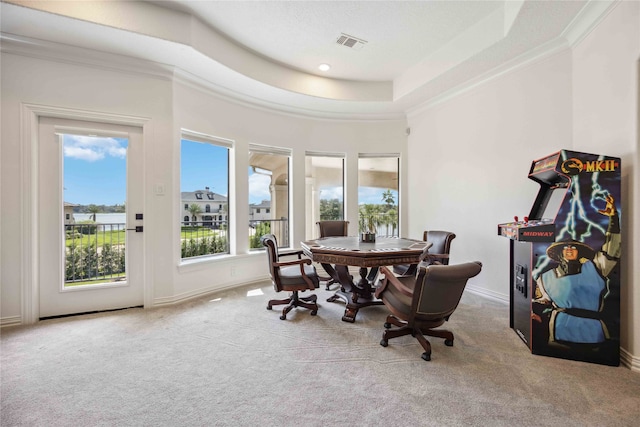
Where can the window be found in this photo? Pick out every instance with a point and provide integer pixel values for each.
(268, 189)
(378, 193)
(324, 189)
(204, 169)
(94, 176)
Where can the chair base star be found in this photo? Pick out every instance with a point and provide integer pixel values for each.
(295, 301)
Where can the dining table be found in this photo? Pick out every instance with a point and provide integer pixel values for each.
(349, 251)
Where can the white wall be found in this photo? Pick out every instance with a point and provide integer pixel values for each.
(475, 152)
(169, 106)
(470, 156)
(202, 112)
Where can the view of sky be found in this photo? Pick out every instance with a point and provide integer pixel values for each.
(94, 170)
(95, 173)
(204, 165)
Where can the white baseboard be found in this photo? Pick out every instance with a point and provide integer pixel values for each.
(629, 360)
(495, 296)
(10, 321)
(175, 299)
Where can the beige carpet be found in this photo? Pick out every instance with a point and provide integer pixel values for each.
(225, 360)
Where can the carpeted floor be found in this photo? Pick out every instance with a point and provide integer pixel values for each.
(225, 360)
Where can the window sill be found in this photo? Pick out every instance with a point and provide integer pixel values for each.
(200, 263)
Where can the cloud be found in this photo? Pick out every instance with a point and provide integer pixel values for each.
(259, 187)
(93, 149)
(372, 195)
(330, 193)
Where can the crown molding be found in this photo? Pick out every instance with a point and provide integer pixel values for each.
(587, 20)
(589, 17)
(55, 52)
(532, 57)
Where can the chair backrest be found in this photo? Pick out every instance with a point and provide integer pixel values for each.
(290, 275)
(333, 228)
(438, 289)
(441, 243)
(270, 243)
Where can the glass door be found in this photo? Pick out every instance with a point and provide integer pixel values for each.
(90, 234)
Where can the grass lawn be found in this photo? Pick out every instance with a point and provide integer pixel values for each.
(115, 237)
(111, 279)
(187, 233)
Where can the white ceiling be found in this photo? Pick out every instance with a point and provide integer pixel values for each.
(267, 52)
(302, 35)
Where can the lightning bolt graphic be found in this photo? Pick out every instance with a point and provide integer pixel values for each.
(577, 225)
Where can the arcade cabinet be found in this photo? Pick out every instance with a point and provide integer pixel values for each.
(565, 259)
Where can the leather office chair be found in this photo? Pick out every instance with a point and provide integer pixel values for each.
(439, 251)
(332, 228)
(290, 276)
(421, 304)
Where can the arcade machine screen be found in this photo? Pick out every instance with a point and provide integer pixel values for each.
(556, 197)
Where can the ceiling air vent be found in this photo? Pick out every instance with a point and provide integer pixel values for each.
(350, 41)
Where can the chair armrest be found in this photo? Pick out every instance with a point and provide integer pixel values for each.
(292, 252)
(391, 280)
(438, 257)
(301, 262)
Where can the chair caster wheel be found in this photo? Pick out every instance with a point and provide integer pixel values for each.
(387, 325)
(384, 343)
(448, 343)
(426, 356)
(314, 312)
(269, 307)
(283, 317)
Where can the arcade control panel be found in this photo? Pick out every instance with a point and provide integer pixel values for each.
(538, 230)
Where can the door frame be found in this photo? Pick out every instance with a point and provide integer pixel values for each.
(30, 116)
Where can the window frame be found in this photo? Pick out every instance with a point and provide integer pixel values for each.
(397, 158)
(198, 137)
(283, 232)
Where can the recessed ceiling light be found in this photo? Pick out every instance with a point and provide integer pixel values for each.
(324, 67)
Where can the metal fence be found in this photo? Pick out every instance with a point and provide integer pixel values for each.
(260, 227)
(94, 253)
(200, 238)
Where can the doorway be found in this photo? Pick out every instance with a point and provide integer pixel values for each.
(90, 217)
